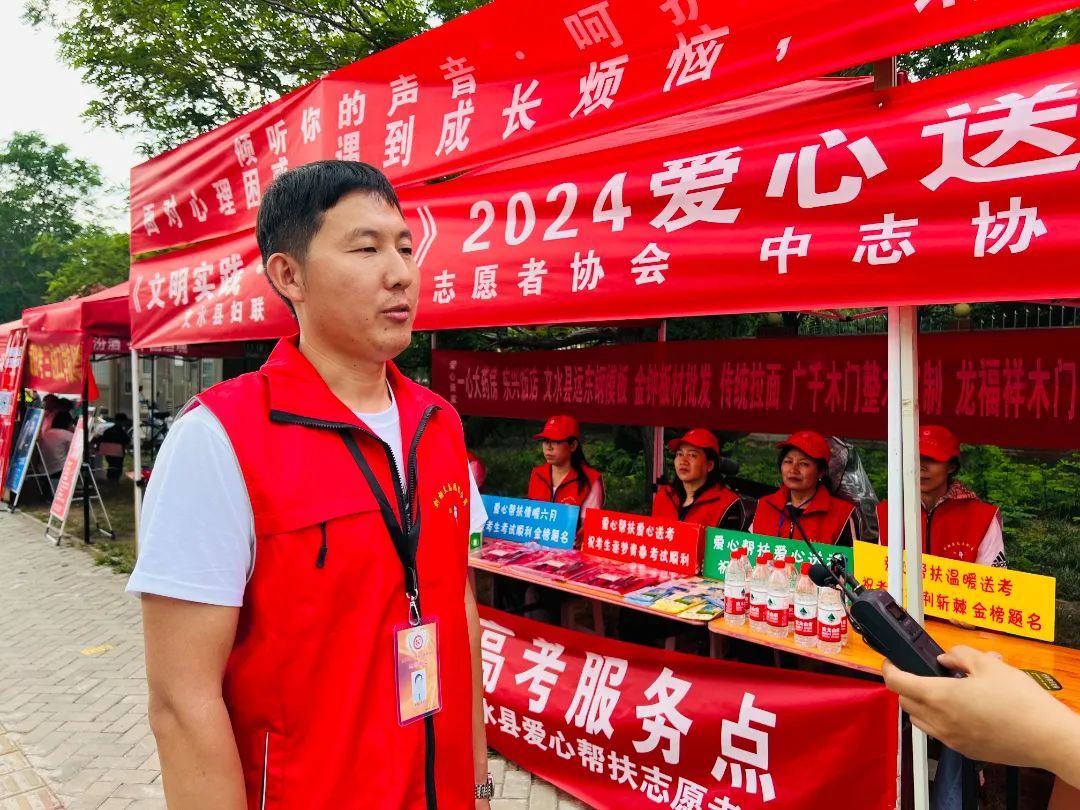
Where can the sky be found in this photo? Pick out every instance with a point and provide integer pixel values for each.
(38, 92)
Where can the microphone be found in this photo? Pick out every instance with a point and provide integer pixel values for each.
(884, 625)
(822, 576)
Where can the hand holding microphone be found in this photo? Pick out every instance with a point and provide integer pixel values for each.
(996, 714)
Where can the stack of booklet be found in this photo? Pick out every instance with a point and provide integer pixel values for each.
(692, 598)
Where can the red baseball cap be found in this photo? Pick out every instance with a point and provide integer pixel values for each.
(699, 437)
(559, 429)
(813, 444)
(938, 443)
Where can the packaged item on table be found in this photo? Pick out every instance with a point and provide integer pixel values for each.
(653, 593)
(711, 608)
(693, 593)
(620, 579)
(500, 552)
(558, 565)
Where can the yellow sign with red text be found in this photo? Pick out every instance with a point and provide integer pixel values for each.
(992, 598)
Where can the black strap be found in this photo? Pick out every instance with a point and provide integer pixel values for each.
(405, 537)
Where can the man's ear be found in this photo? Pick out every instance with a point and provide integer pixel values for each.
(286, 276)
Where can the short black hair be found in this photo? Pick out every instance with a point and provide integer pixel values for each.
(62, 420)
(293, 206)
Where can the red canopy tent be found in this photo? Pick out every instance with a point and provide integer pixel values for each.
(1003, 233)
(9, 327)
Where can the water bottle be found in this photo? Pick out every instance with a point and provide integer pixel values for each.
(830, 611)
(806, 609)
(759, 595)
(793, 578)
(744, 562)
(776, 615)
(735, 603)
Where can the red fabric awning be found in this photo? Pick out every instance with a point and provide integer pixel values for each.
(103, 314)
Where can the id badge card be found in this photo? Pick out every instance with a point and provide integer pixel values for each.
(416, 660)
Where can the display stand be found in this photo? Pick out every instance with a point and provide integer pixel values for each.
(25, 446)
(75, 467)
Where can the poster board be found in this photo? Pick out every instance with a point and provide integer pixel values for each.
(24, 449)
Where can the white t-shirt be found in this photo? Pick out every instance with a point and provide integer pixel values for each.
(197, 532)
(54, 444)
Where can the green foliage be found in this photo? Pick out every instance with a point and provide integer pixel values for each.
(45, 193)
(177, 68)
(1045, 33)
(94, 258)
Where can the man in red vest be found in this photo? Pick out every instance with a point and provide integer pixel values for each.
(305, 538)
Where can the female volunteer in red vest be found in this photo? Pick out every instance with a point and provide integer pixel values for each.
(804, 505)
(956, 524)
(565, 476)
(697, 494)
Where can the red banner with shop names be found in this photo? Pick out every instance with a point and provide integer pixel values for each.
(1014, 388)
(667, 546)
(484, 87)
(11, 372)
(620, 725)
(945, 190)
(65, 489)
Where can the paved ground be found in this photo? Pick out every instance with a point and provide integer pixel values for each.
(73, 726)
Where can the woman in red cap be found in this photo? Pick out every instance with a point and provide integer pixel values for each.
(804, 507)
(956, 524)
(565, 477)
(697, 494)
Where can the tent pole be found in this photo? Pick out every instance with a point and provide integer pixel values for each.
(136, 439)
(86, 449)
(895, 517)
(912, 512)
(658, 431)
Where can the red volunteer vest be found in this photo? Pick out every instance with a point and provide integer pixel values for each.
(309, 684)
(823, 519)
(568, 491)
(954, 529)
(709, 508)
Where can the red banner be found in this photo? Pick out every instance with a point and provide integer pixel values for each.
(485, 87)
(65, 488)
(667, 546)
(13, 358)
(619, 725)
(56, 363)
(209, 293)
(945, 190)
(1014, 388)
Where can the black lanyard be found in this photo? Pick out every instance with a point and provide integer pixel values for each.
(405, 535)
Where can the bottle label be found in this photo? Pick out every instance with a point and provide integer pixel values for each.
(734, 599)
(805, 627)
(829, 624)
(758, 602)
(777, 612)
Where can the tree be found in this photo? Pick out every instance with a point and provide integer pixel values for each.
(1042, 34)
(92, 260)
(45, 192)
(177, 68)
